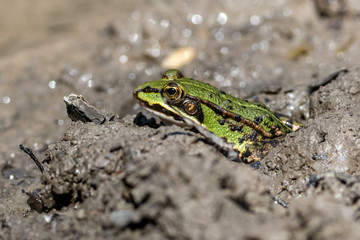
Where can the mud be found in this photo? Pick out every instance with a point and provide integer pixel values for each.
(114, 179)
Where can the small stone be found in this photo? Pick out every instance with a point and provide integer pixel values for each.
(121, 218)
(80, 214)
(354, 90)
(101, 162)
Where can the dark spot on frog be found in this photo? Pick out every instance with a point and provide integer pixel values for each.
(243, 106)
(272, 131)
(229, 107)
(222, 121)
(258, 120)
(229, 100)
(210, 96)
(261, 105)
(179, 75)
(148, 89)
(246, 154)
(246, 101)
(238, 118)
(232, 127)
(222, 92)
(218, 110)
(253, 136)
(238, 128)
(241, 140)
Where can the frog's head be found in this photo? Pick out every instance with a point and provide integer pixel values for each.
(160, 96)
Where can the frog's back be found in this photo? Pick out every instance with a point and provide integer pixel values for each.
(255, 112)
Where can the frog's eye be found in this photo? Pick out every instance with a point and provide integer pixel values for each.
(172, 91)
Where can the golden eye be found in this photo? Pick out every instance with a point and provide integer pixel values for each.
(172, 91)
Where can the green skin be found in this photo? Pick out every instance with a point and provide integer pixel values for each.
(252, 128)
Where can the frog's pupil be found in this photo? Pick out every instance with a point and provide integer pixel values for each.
(171, 91)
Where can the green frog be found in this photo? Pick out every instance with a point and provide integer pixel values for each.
(251, 128)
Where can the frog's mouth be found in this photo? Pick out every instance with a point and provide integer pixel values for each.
(167, 115)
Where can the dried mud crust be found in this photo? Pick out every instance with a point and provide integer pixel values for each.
(330, 142)
(173, 186)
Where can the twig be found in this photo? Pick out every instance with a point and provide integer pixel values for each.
(33, 157)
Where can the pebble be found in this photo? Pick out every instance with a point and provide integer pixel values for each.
(121, 218)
